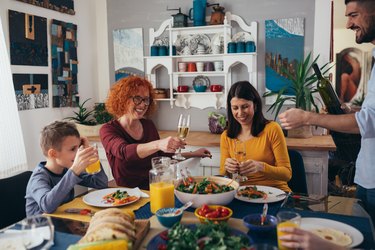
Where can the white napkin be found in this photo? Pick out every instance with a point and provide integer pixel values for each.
(141, 194)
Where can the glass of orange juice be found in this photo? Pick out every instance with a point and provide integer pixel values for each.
(286, 219)
(94, 167)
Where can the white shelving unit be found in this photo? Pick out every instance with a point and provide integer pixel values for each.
(170, 63)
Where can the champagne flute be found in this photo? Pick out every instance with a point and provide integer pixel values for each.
(240, 155)
(38, 232)
(182, 132)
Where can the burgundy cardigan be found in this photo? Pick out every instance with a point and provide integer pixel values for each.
(128, 169)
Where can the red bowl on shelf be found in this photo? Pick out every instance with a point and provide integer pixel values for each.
(182, 88)
(216, 88)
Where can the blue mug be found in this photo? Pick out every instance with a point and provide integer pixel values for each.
(232, 47)
(163, 50)
(154, 50)
(199, 12)
(250, 46)
(240, 47)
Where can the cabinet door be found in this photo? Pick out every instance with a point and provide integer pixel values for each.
(316, 168)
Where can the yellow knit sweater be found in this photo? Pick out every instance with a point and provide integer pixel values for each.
(269, 147)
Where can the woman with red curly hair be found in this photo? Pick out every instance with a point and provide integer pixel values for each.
(131, 140)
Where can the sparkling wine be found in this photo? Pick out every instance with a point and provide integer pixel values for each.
(183, 132)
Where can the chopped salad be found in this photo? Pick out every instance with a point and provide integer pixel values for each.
(252, 192)
(118, 198)
(189, 185)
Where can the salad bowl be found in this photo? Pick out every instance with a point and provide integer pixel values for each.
(222, 193)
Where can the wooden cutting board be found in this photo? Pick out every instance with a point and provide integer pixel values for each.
(141, 229)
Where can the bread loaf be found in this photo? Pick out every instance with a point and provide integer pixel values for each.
(110, 224)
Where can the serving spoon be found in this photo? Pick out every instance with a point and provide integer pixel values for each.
(181, 209)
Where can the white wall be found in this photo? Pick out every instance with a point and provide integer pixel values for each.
(87, 17)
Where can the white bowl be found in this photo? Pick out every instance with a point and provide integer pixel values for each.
(209, 199)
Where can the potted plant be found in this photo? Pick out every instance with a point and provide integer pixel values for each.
(300, 92)
(89, 122)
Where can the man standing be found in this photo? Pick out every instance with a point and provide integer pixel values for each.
(361, 19)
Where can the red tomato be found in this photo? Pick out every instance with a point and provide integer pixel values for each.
(201, 212)
(224, 214)
(224, 210)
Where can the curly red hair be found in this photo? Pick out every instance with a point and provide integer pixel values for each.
(119, 98)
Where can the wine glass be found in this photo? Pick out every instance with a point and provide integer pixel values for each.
(38, 232)
(182, 132)
(240, 155)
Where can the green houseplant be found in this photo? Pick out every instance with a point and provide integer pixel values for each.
(89, 121)
(302, 86)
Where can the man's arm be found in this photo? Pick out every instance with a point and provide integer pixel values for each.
(294, 118)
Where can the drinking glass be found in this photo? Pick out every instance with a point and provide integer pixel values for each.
(286, 219)
(94, 167)
(240, 155)
(38, 232)
(182, 132)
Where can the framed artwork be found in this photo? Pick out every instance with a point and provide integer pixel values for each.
(64, 64)
(353, 70)
(128, 52)
(284, 48)
(64, 6)
(31, 91)
(28, 39)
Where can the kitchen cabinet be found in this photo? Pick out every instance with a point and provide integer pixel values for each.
(209, 38)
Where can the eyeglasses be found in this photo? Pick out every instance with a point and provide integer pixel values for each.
(139, 99)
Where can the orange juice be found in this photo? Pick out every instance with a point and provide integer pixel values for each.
(279, 233)
(161, 195)
(93, 168)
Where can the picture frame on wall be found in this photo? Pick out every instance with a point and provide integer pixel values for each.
(64, 6)
(128, 52)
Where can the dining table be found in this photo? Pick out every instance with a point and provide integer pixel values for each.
(69, 228)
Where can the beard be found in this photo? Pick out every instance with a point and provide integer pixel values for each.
(368, 33)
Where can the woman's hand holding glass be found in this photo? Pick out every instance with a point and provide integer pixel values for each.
(250, 167)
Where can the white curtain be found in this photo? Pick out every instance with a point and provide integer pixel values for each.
(12, 148)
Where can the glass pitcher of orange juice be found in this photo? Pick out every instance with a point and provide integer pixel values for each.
(161, 184)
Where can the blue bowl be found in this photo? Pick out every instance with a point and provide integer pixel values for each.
(200, 88)
(252, 221)
(166, 219)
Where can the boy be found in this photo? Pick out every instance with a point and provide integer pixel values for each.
(52, 182)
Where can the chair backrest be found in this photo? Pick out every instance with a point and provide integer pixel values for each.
(12, 193)
(298, 182)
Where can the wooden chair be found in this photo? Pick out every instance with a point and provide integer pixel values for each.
(298, 182)
(12, 193)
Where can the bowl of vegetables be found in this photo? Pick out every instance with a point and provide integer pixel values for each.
(214, 213)
(210, 190)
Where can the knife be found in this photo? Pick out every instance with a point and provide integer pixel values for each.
(80, 211)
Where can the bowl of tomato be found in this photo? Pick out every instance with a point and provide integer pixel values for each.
(216, 213)
(210, 190)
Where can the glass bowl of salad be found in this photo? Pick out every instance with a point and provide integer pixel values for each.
(210, 190)
(215, 213)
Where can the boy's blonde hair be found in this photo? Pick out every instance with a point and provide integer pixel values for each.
(52, 135)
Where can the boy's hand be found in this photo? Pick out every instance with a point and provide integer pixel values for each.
(85, 142)
(84, 157)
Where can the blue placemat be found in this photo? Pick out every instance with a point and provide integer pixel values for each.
(64, 240)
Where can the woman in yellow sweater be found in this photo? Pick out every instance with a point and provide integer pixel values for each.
(267, 160)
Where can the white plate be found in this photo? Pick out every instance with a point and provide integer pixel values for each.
(270, 191)
(218, 41)
(242, 37)
(182, 42)
(96, 198)
(161, 41)
(18, 239)
(316, 223)
(199, 39)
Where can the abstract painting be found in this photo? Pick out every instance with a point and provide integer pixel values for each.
(284, 48)
(64, 6)
(128, 52)
(31, 91)
(28, 39)
(64, 64)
